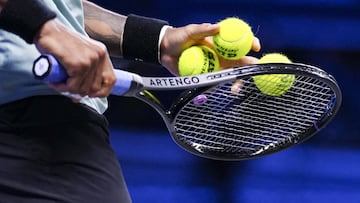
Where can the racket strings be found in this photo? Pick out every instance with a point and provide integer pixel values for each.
(247, 122)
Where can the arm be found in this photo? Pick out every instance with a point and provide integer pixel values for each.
(86, 61)
(105, 26)
(131, 37)
(108, 27)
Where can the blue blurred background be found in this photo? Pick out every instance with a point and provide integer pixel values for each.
(326, 168)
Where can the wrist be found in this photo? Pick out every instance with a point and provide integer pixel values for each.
(141, 38)
(162, 43)
(25, 17)
(49, 28)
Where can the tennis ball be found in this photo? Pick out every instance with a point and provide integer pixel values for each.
(196, 60)
(234, 39)
(274, 84)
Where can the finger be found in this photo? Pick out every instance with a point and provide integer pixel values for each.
(237, 87)
(72, 85)
(59, 87)
(104, 91)
(105, 81)
(77, 75)
(62, 88)
(91, 82)
(256, 45)
(200, 31)
(208, 41)
(75, 85)
(246, 60)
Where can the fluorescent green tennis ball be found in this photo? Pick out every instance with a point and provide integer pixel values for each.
(234, 39)
(197, 60)
(274, 58)
(274, 84)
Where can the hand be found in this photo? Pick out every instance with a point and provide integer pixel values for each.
(86, 61)
(178, 39)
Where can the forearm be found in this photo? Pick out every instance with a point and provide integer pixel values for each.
(132, 37)
(105, 26)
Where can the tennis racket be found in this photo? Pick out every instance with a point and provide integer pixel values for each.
(223, 115)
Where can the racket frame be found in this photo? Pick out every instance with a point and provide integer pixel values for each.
(133, 85)
(200, 82)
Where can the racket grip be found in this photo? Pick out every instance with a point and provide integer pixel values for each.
(48, 69)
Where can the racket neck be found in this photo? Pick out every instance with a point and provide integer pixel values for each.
(148, 98)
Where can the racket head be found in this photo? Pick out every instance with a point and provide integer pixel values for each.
(221, 123)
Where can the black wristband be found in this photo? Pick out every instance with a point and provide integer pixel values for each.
(25, 17)
(141, 38)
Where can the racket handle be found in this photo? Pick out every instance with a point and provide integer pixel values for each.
(48, 69)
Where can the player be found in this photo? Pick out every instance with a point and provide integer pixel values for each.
(53, 149)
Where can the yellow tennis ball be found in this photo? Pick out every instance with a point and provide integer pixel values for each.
(197, 60)
(274, 84)
(235, 38)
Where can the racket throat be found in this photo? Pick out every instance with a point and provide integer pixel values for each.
(148, 98)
